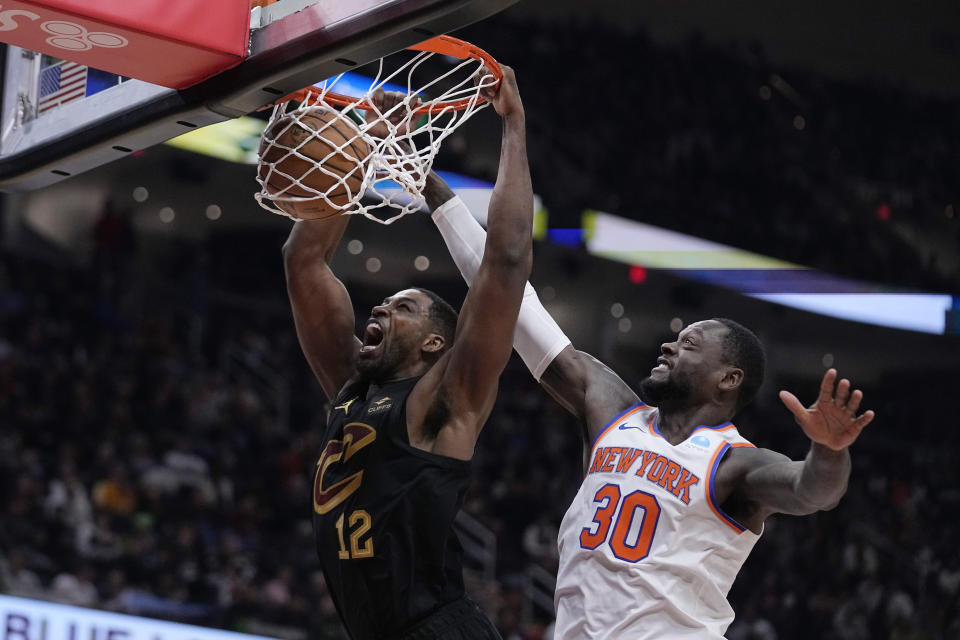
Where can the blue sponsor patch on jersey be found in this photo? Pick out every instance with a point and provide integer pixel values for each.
(700, 441)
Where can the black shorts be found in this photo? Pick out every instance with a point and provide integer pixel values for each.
(461, 619)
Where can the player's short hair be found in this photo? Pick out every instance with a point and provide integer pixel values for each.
(742, 349)
(443, 316)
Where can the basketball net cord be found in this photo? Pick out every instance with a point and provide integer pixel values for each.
(396, 167)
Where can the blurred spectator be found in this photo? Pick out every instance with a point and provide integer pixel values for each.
(75, 588)
(67, 498)
(16, 579)
(114, 494)
(277, 591)
(540, 542)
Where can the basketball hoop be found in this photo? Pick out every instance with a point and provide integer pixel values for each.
(395, 166)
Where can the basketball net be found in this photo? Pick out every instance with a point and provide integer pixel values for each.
(396, 167)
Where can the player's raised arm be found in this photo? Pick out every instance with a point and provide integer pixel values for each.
(588, 389)
(322, 311)
(775, 484)
(580, 383)
(452, 401)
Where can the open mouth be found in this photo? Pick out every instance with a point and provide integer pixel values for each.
(662, 364)
(372, 337)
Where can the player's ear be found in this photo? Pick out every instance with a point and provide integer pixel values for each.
(433, 343)
(732, 379)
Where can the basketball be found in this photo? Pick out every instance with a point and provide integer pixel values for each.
(320, 149)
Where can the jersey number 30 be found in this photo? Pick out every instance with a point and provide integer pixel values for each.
(630, 540)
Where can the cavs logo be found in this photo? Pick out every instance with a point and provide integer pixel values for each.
(356, 436)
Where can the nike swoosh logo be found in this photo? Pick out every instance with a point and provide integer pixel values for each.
(627, 426)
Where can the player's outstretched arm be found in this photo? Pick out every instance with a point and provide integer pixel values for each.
(588, 389)
(452, 401)
(776, 484)
(580, 383)
(322, 311)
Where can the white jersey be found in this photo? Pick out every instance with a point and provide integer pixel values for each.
(645, 551)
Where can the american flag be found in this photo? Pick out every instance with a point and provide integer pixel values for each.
(61, 83)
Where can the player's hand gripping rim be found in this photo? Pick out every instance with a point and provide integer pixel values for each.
(390, 113)
(504, 96)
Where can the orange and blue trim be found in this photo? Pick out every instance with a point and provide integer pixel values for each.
(711, 473)
(616, 420)
(726, 426)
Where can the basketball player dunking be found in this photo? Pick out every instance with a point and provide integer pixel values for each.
(674, 498)
(408, 402)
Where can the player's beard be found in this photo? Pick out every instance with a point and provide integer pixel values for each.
(382, 367)
(673, 391)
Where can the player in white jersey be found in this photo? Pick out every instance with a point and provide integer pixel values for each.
(674, 498)
(647, 510)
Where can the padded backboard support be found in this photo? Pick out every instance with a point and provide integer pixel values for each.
(295, 49)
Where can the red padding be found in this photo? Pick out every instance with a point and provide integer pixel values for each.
(173, 43)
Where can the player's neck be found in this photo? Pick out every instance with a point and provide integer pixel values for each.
(677, 423)
(414, 370)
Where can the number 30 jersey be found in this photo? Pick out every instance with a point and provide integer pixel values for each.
(645, 550)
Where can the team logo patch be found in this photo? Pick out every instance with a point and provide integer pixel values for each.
(700, 441)
(356, 436)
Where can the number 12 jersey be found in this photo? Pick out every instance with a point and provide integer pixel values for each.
(383, 514)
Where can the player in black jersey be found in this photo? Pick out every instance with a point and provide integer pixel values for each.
(408, 402)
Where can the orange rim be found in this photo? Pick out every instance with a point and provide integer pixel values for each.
(446, 45)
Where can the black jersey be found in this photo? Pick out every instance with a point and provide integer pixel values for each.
(383, 515)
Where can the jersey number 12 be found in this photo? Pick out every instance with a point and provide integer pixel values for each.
(358, 548)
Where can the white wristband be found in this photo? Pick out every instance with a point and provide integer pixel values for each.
(463, 235)
(538, 339)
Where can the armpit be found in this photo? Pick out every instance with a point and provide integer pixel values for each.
(744, 511)
(437, 416)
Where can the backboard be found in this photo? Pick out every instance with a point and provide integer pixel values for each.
(53, 129)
